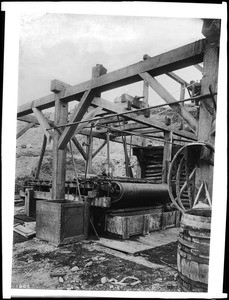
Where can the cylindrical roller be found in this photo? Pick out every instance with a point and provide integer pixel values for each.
(138, 193)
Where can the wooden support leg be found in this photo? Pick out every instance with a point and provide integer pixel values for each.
(207, 114)
(146, 100)
(59, 156)
(167, 155)
(90, 145)
(97, 71)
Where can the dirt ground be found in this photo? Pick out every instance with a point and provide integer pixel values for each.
(86, 266)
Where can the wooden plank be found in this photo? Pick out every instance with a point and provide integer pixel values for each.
(163, 63)
(126, 246)
(165, 95)
(47, 196)
(77, 115)
(43, 122)
(24, 129)
(159, 238)
(24, 231)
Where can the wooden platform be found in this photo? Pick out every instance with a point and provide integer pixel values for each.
(141, 243)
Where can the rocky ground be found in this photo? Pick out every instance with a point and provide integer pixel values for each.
(87, 266)
(40, 265)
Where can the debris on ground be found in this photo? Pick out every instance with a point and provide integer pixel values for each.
(52, 267)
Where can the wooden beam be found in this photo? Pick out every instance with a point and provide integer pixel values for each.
(79, 147)
(58, 86)
(24, 129)
(41, 157)
(167, 155)
(99, 149)
(166, 62)
(32, 119)
(59, 156)
(198, 67)
(165, 95)
(177, 78)
(43, 122)
(77, 115)
(204, 172)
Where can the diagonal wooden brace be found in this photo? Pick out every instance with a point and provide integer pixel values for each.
(78, 114)
(43, 122)
(24, 129)
(168, 98)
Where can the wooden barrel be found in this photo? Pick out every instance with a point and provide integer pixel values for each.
(193, 250)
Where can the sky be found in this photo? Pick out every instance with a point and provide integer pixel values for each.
(67, 46)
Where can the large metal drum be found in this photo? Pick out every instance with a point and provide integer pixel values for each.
(193, 250)
(138, 194)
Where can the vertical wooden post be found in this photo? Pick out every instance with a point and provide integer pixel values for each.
(146, 100)
(167, 154)
(90, 150)
(207, 111)
(182, 93)
(97, 71)
(59, 156)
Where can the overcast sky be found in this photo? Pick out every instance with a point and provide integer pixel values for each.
(67, 46)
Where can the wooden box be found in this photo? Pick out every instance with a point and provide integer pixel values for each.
(61, 221)
(129, 224)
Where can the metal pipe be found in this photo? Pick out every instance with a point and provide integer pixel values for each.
(138, 193)
(199, 98)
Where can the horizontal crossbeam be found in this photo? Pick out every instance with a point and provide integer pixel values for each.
(166, 62)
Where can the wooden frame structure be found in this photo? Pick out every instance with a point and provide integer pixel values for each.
(88, 94)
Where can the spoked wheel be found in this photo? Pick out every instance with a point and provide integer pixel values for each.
(181, 175)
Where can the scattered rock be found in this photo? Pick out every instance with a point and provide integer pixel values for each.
(30, 261)
(88, 264)
(75, 268)
(48, 265)
(102, 258)
(61, 279)
(95, 258)
(176, 276)
(58, 274)
(104, 280)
